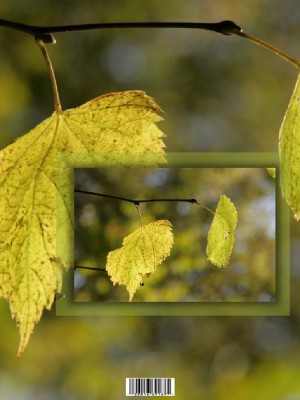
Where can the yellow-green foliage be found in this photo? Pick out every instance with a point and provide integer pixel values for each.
(272, 172)
(289, 149)
(29, 272)
(221, 234)
(140, 255)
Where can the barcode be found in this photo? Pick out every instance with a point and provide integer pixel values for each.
(150, 386)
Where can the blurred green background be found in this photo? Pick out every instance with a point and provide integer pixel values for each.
(219, 94)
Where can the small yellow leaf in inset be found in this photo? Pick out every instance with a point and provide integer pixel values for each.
(272, 172)
(289, 152)
(221, 235)
(30, 274)
(141, 253)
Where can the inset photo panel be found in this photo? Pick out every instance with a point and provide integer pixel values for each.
(174, 235)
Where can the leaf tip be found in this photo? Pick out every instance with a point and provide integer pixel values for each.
(272, 172)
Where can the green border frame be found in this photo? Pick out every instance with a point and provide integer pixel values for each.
(65, 239)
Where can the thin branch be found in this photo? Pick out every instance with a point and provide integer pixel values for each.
(57, 104)
(94, 269)
(133, 201)
(107, 195)
(175, 200)
(224, 27)
(44, 33)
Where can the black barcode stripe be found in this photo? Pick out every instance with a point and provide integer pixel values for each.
(144, 386)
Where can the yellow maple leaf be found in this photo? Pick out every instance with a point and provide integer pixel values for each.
(141, 253)
(29, 272)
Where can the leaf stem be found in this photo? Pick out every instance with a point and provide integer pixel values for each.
(206, 208)
(268, 46)
(57, 104)
(140, 214)
(92, 268)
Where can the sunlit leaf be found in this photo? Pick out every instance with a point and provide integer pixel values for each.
(221, 235)
(30, 275)
(141, 253)
(272, 172)
(289, 149)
